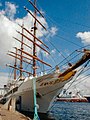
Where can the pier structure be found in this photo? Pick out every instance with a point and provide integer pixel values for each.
(9, 114)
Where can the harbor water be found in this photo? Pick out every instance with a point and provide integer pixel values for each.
(71, 111)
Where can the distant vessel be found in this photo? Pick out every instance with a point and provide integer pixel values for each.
(72, 98)
(87, 97)
(47, 85)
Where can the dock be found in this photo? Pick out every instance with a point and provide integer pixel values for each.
(11, 115)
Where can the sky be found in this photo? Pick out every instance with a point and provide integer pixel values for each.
(67, 23)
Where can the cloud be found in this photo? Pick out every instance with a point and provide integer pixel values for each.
(53, 51)
(8, 30)
(3, 79)
(84, 36)
(2, 12)
(53, 31)
(10, 10)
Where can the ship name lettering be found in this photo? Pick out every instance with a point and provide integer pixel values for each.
(51, 82)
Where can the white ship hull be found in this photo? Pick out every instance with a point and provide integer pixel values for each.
(47, 87)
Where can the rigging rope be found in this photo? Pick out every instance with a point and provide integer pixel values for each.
(71, 83)
(54, 47)
(82, 69)
(87, 76)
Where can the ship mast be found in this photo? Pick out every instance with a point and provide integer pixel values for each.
(34, 46)
(35, 39)
(15, 65)
(23, 55)
(21, 61)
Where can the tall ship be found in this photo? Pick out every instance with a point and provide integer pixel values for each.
(47, 84)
